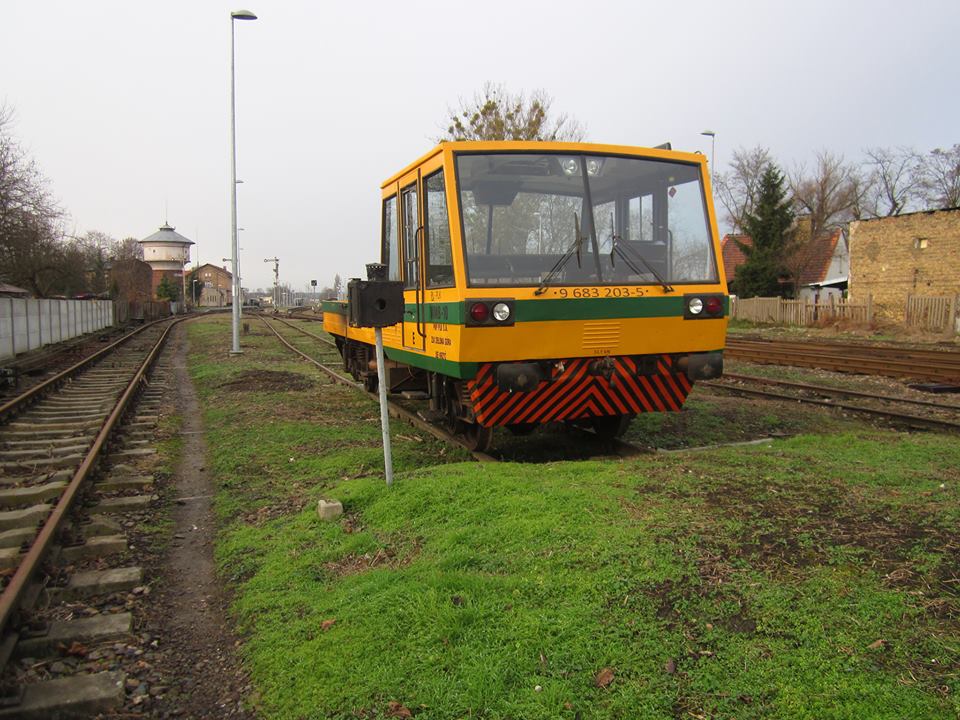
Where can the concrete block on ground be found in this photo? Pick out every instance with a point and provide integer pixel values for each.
(9, 558)
(329, 509)
(111, 506)
(37, 494)
(95, 547)
(70, 697)
(16, 537)
(28, 517)
(113, 484)
(66, 632)
(99, 525)
(100, 582)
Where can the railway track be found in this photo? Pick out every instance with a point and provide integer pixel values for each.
(60, 540)
(940, 416)
(339, 376)
(886, 360)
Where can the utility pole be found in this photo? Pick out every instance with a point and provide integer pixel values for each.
(276, 280)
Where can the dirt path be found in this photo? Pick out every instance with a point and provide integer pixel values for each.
(197, 656)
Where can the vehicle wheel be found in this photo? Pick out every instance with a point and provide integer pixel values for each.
(521, 429)
(452, 411)
(370, 382)
(611, 426)
(478, 437)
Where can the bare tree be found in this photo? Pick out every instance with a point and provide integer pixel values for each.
(739, 187)
(29, 217)
(940, 178)
(494, 113)
(127, 249)
(826, 198)
(890, 182)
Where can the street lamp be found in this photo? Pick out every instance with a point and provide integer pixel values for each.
(713, 140)
(235, 15)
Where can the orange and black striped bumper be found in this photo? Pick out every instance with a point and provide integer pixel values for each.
(575, 393)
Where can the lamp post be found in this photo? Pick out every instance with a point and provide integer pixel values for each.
(235, 15)
(713, 147)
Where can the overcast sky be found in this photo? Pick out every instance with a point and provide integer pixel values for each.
(125, 104)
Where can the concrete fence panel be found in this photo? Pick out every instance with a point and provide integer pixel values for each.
(28, 324)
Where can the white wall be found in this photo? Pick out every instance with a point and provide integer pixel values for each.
(27, 324)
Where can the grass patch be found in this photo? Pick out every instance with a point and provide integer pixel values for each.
(816, 578)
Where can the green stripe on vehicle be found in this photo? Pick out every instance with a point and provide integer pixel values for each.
(334, 306)
(462, 370)
(569, 309)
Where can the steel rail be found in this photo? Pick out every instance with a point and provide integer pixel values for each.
(914, 420)
(328, 341)
(395, 410)
(944, 366)
(31, 394)
(887, 350)
(13, 592)
(840, 392)
(312, 318)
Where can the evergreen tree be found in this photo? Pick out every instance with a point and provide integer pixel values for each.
(768, 226)
(166, 290)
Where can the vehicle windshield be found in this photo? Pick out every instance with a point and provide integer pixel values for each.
(621, 220)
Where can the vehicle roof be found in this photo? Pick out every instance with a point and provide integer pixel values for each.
(479, 146)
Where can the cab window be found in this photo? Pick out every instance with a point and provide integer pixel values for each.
(439, 261)
(391, 239)
(408, 201)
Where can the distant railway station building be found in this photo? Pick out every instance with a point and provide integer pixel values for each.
(912, 254)
(217, 282)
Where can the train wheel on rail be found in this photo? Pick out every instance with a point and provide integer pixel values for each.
(610, 427)
(478, 437)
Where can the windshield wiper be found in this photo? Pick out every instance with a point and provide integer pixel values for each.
(574, 249)
(616, 247)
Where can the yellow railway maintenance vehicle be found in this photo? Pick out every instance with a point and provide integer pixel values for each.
(547, 282)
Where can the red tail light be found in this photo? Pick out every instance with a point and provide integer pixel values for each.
(713, 305)
(479, 312)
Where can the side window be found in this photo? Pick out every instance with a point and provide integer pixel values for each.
(439, 264)
(408, 200)
(391, 239)
(640, 225)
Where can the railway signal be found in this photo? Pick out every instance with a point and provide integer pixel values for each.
(378, 303)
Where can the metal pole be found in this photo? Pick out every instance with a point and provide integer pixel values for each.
(384, 415)
(235, 349)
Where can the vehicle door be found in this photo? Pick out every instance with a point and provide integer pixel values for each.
(411, 234)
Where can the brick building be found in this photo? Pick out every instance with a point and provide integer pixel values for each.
(131, 280)
(217, 284)
(916, 253)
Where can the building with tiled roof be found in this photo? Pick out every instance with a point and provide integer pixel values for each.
(733, 256)
(824, 265)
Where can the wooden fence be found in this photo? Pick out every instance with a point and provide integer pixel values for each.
(780, 311)
(938, 314)
(145, 311)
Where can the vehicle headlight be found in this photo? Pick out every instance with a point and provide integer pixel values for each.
(501, 312)
(695, 306)
(570, 166)
(594, 166)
